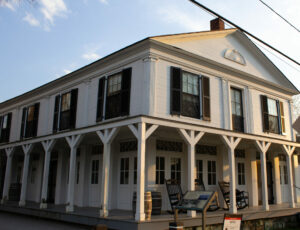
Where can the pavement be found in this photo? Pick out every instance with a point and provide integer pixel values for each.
(9, 221)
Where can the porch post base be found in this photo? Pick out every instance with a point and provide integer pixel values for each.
(233, 210)
(266, 208)
(103, 213)
(140, 216)
(70, 208)
(4, 199)
(22, 203)
(43, 205)
(192, 213)
(292, 205)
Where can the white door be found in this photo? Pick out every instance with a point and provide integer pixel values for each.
(284, 181)
(95, 180)
(240, 174)
(127, 180)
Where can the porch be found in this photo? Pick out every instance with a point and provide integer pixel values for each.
(120, 219)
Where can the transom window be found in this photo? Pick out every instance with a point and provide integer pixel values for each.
(124, 172)
(237, 110)
(211, 172)
(241, 173)
(95, 172)
(114, 83)
(176, 169)
(160, 170)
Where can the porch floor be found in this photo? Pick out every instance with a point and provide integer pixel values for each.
(121, 219)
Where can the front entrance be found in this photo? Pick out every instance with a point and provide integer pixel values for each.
(95, 179)
(52, 181)
(127, 179)
(283, 179)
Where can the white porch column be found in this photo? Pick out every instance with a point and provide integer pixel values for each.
(253, 176)
(231, 143)
(289, 152)
(191, 140)
(48, 146)
(73, 142)
(27, 150)
(263, 148)
(141, 134)
(9, 154)
(277, 180)
(297, 178)
(106, 136)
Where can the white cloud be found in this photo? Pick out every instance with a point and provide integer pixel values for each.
(91, 56)
(53, 8)
(104, 2)
(31, 20)
(9, 4)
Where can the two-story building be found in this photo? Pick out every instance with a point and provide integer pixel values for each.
(204, 105)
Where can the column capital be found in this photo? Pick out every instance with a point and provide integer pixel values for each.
(150, 58)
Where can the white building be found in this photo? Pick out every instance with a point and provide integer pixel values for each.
(205, 104)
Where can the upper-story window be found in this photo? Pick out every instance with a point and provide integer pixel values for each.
(190, 94)
(65, 111)
(273, 115)
(115, 100)
(30, 118)
(237, 110)
(5, 124)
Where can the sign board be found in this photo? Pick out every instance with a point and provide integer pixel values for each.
(195, 200)
(232, 222)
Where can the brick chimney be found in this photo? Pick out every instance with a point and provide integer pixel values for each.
(217, 24)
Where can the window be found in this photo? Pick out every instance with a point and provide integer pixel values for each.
(95, 172)
(237, 110)
(65, 111)
(190, 94)
(273, 115)
(199, 168)
(5, 124)
(116, 98)
(160, 170)
(29, 123)
(124, 171)
(176, 169)
(241, 173)
(32, 174)
(172, 146)
(211, 172)
(77, 172)
(135, 171)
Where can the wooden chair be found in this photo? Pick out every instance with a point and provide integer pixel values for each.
(242, 197)
(174, 192)
(200, 185)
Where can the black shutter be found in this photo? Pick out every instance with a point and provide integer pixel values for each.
(265, 113)
(205, 98)
(73, 108)
(175, 99)
(56, 113)
(23, 122)
(125, 94)
(100, 99)
(9, 116)
(36, 118)
(1, 121)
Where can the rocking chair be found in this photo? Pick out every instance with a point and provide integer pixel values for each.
(174, 192)
(242, 197)
(201, 187)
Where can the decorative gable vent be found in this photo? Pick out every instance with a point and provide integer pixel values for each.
(234, 55)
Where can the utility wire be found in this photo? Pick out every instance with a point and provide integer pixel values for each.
(244, 31)
(280, 16)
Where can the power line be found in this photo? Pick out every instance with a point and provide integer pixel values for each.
(244, 31)
(280, 16)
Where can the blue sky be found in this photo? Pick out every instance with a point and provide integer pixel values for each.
(49, 38)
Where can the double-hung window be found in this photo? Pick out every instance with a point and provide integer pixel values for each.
(65, 111)
(114, 99)
(241, 173)
(273, 115)
(176, 169)
(237, 110)
(190, 94)
(211, 172)
(30, 117)
(160, 170)
(95, 172)
(5, 124)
